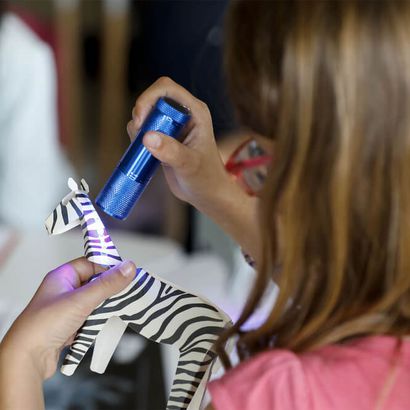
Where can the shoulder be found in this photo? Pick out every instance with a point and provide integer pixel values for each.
(331, 377)
(27, 67)
(270, 380)
(22, 53)
(14, 30)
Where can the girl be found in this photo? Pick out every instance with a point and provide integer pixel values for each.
(330, 81)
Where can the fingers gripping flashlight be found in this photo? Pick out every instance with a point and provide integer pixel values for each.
(136, 168)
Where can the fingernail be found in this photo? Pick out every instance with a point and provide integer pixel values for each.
(127, 269)
(152, 140)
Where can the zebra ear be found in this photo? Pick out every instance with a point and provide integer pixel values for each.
(85, 186)
(72, 184)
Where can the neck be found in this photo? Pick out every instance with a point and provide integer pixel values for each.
(98, 245)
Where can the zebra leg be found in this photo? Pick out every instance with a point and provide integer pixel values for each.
(196, 402)
(106, 343)
(192, 370)
(83, 341)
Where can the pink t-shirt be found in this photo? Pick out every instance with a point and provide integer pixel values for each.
(362, 375)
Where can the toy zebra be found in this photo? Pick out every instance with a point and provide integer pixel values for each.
(155, 308)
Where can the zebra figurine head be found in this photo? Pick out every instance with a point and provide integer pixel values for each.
(76, 208)
(67, 215)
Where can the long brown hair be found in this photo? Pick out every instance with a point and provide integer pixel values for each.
(330, 82)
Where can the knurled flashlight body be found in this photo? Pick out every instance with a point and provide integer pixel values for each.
(137, 166)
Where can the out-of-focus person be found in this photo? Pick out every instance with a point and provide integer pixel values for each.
(33, 167)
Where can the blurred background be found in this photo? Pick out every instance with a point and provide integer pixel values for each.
(96, 57)
(70, 72)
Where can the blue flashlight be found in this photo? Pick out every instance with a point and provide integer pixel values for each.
(137, 166)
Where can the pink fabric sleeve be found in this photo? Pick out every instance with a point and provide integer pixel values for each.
(269, 381)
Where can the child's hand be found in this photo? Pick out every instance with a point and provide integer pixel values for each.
(194, 169)
(58, 309)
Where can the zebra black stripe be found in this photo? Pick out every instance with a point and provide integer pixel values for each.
(64, 214)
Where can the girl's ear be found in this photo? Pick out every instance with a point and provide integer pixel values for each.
(72, 184)
(85, 186)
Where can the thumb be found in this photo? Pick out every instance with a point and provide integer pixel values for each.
(106, 285)
(167, 149)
